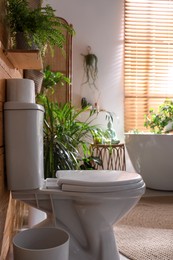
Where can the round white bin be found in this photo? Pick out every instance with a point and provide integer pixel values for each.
(41, 244)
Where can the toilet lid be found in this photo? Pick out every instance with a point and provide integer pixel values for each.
(97, 181)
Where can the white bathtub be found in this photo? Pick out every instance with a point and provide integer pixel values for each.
(152, 157)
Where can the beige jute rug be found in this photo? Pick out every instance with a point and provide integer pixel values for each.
(146, 232)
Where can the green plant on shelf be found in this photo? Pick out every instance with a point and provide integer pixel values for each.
(40, 27)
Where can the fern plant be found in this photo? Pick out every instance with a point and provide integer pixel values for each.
(40, 26)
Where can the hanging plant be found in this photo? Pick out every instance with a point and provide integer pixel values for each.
(90, 67)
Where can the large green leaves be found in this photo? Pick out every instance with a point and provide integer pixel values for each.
(66, 138)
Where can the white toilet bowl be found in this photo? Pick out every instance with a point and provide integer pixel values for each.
(86, 204)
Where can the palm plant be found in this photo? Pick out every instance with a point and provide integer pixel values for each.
(65, 136)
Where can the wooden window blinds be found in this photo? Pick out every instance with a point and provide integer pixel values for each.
(148, 58)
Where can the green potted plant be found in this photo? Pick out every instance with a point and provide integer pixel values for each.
(51, 78)
(39, 26)
(90, 67)
(66, 138)
(151, 151)
(160, 121)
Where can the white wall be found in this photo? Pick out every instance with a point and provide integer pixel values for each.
(98, 23)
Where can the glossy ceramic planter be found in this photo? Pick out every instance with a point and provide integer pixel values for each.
(151, 157)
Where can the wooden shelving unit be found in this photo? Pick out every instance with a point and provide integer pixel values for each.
(25, 59)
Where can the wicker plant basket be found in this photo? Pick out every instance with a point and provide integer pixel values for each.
(36, 76)
(35, 3)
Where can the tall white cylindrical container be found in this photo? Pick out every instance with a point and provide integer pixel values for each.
(23, 124)
(20, 90)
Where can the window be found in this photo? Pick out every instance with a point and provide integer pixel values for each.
(148, 64)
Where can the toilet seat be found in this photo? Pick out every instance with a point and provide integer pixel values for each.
(96, 181)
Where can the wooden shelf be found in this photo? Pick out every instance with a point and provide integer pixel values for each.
(25, 59)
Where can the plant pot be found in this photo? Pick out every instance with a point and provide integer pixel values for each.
(36, 76)
(41, 244)
(22, 43)
(35, 3)
(168, 127)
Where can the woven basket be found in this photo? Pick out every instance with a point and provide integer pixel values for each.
(35, 3)
(36, 76)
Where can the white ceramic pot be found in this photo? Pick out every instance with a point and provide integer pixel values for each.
(151, 157)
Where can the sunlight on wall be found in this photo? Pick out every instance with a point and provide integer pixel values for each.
(99, 25)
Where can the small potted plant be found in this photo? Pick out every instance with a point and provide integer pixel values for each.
(160, 121)
(39, 27)
(51, 78)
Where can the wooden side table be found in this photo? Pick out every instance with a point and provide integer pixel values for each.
(112, 156)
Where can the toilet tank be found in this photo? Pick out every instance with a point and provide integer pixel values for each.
(23, 124)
